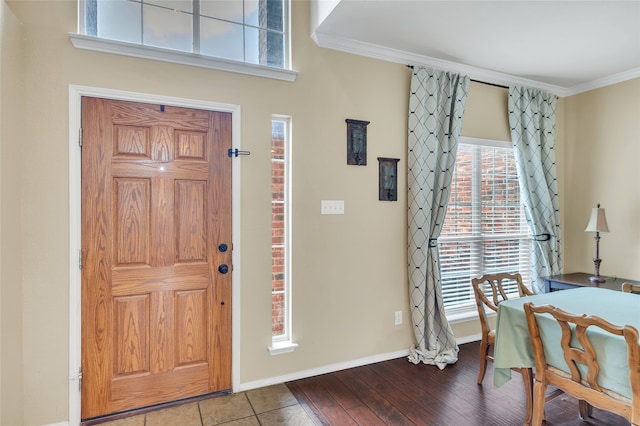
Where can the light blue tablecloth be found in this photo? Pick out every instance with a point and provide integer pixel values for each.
(513, 347)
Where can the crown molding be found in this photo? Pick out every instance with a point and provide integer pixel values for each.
(476, 73)
(603, 82)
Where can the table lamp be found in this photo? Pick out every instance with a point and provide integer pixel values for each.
(597, 223)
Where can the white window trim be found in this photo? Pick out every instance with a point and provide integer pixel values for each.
(283, 347)
(97, 44)
(486, 142)
(466, 314)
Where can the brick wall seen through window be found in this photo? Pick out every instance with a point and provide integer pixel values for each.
(278, 230)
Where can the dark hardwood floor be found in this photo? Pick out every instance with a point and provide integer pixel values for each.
(397, 392)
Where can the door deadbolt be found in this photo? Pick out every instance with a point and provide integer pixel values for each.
(222, 248)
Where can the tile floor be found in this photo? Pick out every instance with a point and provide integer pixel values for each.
(269, 406)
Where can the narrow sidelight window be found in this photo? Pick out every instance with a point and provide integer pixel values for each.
(280, 226)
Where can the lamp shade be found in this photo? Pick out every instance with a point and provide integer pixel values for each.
(597, 221)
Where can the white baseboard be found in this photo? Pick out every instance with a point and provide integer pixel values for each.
(58, 424)
(337, 367)
(322, 370)
(469, 339)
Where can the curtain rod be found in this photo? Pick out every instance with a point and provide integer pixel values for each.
(490, 84)
(478, 81)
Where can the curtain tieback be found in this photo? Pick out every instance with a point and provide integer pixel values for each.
(433, 242)
(542, 237)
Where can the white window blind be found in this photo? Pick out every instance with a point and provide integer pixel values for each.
(485, 230)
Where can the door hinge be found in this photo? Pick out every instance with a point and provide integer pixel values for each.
(80, 259)
(80, 379)
(80, 137)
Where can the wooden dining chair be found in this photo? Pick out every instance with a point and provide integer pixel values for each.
(630, 288)
(494, 286)
(586, 389)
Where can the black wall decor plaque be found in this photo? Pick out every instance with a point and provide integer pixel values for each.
(388, 179)
(357, 142)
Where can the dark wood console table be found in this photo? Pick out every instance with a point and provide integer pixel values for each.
(581, 279)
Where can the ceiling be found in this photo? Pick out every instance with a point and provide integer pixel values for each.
(565, 47)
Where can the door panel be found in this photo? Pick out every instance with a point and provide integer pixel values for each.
(156, 204)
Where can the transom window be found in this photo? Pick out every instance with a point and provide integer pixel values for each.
(485, 229)
(250, 31)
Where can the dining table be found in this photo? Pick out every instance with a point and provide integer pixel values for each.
(513, 348)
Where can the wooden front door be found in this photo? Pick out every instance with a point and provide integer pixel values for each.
(156, 251)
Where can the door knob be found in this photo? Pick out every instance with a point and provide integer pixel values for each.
(223, 269)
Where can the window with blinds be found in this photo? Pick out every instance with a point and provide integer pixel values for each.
(485, 230)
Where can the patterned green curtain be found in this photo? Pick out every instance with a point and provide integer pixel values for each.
(532, 118)
(436, 106)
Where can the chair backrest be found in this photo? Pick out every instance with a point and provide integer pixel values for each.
(585, 388)
(497, 284)
(496, 291)
(631, 288)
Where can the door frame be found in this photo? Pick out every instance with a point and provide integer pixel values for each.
(75, 224)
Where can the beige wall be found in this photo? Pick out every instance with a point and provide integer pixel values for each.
(11, 353)
(485, 114)
(602, 158)
(349, 272)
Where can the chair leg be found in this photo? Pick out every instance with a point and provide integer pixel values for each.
(585, 409)
(484, 350)
(527, 378)
(539, 390)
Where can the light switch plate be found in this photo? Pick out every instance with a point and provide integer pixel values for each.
(398, 318)
(332, 207)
